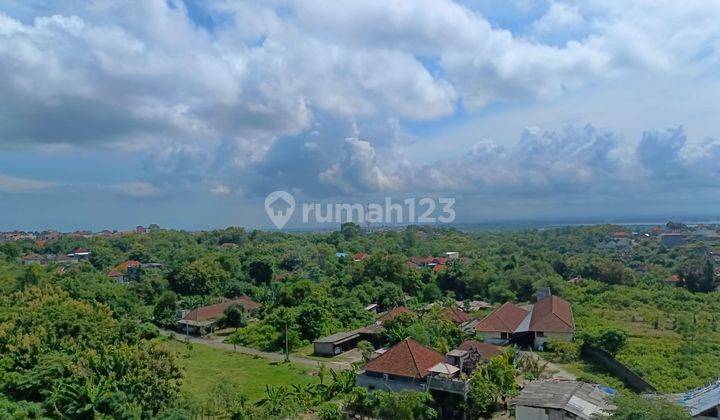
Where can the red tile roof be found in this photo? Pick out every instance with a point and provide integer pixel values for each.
(31, 256)
(421, 260)
(485, 350)
(114, 273)
(394, 313)
(455, 315)
(359, 256)
(407, 358)
(216, 311)
(439, 268)
(673, 279)
(123, 266)
(506, 319)
(552, 314)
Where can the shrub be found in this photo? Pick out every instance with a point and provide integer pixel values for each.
(329, 411)
(562, 351)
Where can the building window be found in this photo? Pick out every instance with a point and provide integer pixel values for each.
(539, 334)
(504, 336)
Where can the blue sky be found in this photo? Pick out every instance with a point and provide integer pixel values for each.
(188, 113)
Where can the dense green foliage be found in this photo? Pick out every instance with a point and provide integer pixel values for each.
(75, 343)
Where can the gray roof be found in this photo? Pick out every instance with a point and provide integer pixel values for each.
(579, 398)
(338, 338)
(701, 399)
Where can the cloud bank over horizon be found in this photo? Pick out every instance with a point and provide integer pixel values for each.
(146, 104)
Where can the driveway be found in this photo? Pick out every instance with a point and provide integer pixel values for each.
(217, 342)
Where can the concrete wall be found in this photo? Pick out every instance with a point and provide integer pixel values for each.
(493, 338)
(534, 413)
(632, 379)
(378, 383)
(324, 349)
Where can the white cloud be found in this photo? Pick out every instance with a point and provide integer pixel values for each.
(220, 190)
(135, 190)
(560, 16)
(197, 104)
(12, 184)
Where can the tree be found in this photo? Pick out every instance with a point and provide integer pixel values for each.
(234, 316)
(311, 320)
(350, 230)
(166, 308)
(431, 292)
(611, 340)
(698, 275)
(491, 384)
(366, 349)
(260, 271)
(199, 277)
(637, 407)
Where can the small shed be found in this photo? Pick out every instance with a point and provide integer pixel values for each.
(336, 343)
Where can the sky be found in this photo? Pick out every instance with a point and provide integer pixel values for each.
(188, 113)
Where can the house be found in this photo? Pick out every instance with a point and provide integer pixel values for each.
(335, 344)
(471, 353)
(373, 307)
(392, 314)
(669, 240)
(141, 229)
(204, 319)
(455, 315)
(341, 342)
(451, 255)
(485, 350)
(32, 258)
(473, 305)
(673, 280)
(405, 366)
(124, 271)
(359, 257)
(706, 234)
(151, 266)
(116, 275)
(421, 262)
(79, 253)
(439, 267)
(562, 399)
(715, 255)
(49, 235)
(500, 324)
(550, 318)
(702, 403)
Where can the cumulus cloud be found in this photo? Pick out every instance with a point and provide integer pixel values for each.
(266, 95)
(359, 170)
(559, 17)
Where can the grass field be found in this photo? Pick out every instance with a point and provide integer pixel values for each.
(207, 366)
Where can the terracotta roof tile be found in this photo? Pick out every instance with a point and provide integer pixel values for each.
(408, 359)
(552, 314)
(506, 319)
(394, 313)
(486, 350)
(216, 311)
(455, 315)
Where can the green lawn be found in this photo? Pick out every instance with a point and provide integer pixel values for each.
(207, 366)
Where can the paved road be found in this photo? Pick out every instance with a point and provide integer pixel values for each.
(217, 342)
